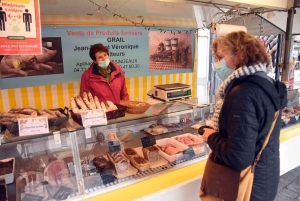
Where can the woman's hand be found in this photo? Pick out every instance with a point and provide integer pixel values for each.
(207, 133)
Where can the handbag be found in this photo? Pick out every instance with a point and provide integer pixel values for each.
(223, 183)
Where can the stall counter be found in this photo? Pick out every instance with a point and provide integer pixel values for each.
(180, 176)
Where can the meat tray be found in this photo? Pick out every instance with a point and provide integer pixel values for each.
(198, 148)
(120, 112)
(175, 143)
(14, 128)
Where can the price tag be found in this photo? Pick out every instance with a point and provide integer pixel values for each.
(56, 136)
(107, 176)
(33, 126)
(188, 153)
(114, 146)
(31, 197)
(88, 132)
(63, 193)
(148, 141)
(93, 117)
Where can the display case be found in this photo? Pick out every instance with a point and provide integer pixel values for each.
(76, 163)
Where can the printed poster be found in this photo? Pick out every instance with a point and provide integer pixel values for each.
(20, 30)
(65, 54)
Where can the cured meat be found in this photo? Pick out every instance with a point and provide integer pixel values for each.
(46, 114)
(50, 112)
(74, 107)
(169, 149)
(59, 114)
(189, 140)
(97, 103)
(86, 101)
(80, 103)
(120, 162)
(91, 99)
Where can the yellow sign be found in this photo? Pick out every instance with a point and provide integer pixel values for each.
(17, 1)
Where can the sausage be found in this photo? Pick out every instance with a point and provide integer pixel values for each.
(86, 101)
(111, 106)
(103, 107)
(97, 103)
(80, 103)
(90, 96)
(59, 114)
(73, 103)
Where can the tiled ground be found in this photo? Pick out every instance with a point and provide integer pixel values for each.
(289, 186)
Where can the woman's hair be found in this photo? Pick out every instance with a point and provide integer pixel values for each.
(249, 50)
(97, 48)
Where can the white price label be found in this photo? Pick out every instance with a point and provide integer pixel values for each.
(33, 126)
(88, 132)
(93, 117)
(57, 139)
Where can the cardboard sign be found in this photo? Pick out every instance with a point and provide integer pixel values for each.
(114, 146)
(33, 126)
(93, 117)
(148, 141)
(188, 154)
(63, 193)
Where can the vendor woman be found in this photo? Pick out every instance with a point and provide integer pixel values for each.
(104, 78)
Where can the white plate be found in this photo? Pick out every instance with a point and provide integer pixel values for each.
(197, 148)
(175, 143)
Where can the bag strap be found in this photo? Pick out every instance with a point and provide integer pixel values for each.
(266, 140)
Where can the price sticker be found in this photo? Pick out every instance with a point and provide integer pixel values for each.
(188, 154)
(88, 132)
(33, 126)
(148, 141)
(93, 117)
(56, 136)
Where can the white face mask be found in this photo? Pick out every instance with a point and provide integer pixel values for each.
(222, 69)
(103, 64)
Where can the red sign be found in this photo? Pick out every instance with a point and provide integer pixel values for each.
(20, 27)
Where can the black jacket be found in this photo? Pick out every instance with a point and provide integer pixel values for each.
(245, 119)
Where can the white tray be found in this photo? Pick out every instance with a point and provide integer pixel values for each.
(9, 178)
(177, 144)
(199, 148)
(160, 162)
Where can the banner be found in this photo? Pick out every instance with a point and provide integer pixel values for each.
(65, 56)
(20, 29)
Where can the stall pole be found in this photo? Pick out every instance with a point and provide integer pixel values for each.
(278, 56)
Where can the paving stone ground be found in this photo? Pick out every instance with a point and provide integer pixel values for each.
(289, 186)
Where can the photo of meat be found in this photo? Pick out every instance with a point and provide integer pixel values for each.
(169, 51)
(49, 62)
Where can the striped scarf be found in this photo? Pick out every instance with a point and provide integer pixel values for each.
(240, 72)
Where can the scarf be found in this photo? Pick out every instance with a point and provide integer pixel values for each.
(104, 72)
(240, 72)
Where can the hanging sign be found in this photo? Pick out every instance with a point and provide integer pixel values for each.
(20, 29)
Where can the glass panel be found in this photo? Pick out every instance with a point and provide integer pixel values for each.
(113, 155)
(38, 169)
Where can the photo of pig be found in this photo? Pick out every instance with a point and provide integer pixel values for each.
(169, 51)
(49, 62)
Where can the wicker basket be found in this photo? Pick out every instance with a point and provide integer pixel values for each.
(135, 107)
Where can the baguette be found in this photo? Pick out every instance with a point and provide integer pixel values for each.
(86, 101)
(97, 103)
(111, 106)
(90, 96)
(103, 107)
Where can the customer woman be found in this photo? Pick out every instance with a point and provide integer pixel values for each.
(245, 111)
(104, 78)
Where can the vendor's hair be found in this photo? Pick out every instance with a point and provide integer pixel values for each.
(248, 49)
(97, 48)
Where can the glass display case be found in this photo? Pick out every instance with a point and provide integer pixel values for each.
(74, 162)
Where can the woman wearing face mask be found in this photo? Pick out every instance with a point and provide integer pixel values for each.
(104, 78)
(245, 111)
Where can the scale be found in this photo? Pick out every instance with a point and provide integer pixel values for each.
(169, 92)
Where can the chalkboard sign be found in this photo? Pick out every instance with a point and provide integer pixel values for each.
(188, 153)
(114, 146)
(30, 197)
(107, 176)
(63, 193)
(148, 141)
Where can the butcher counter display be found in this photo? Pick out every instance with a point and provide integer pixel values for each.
(75, 162)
